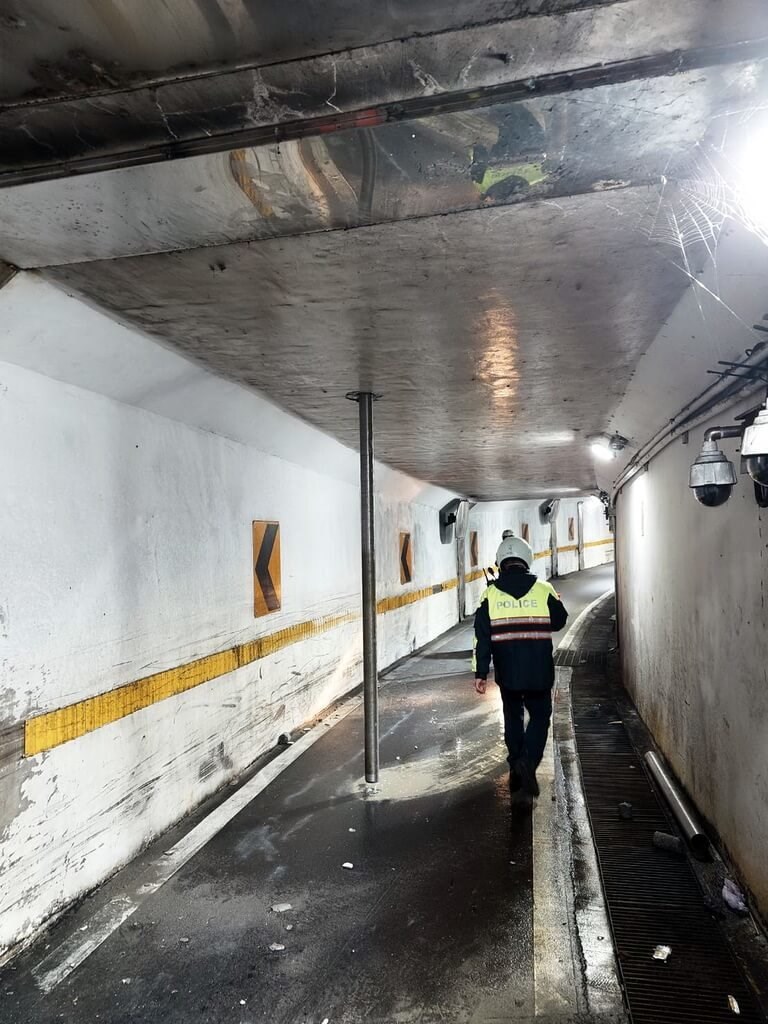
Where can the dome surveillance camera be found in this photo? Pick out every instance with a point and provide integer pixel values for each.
(712, 495)
(754, 448)
(546, 510)
(712, 476)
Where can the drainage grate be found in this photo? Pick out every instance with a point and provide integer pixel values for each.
(575, 656)
(653, 898)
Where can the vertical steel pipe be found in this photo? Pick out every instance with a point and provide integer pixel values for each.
(368, 546)
(616, 572)
(553, 539)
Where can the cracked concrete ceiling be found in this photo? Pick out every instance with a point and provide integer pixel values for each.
(502, 168)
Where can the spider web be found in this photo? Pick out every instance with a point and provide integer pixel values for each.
(695, 202)
(692, 208)
(698, 195)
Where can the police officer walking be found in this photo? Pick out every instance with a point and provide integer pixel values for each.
(513, 625)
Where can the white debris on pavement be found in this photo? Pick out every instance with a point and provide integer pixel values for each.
(734, 1004)
(353, 830)
(734, 897)
(348, 865)
(281, 908)
(662, 953)
(277, 947)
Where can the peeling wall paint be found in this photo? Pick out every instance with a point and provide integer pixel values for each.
(693, 619)
(132, 553)
(129, 493)
(127, 549)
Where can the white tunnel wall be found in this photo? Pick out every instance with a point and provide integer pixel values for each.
(490, 519)
(693, 622)
(598, 540)
(127, 550)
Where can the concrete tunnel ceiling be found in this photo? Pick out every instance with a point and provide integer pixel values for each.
(495, 347)
(505, 272)
(107, 45)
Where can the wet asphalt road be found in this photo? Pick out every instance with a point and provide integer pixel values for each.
(433, 923)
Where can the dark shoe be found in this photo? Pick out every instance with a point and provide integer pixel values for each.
(527, 775)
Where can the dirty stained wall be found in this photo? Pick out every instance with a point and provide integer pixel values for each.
(693, 622)
(693, 603)
(130, 488)
(128, 551)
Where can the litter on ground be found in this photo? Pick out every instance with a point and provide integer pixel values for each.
(734, 897)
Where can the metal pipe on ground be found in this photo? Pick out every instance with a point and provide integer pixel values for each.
(684, 814)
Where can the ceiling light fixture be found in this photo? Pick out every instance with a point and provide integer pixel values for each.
(607, 448)
(602, 450)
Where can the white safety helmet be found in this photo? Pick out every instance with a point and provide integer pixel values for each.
(514, 547)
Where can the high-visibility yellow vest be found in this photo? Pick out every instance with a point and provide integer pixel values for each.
(520, 618)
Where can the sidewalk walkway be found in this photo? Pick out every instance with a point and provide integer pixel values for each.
(433, 922)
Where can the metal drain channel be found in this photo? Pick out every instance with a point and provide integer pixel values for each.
(653, 897)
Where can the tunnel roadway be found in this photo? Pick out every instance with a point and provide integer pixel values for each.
(435, 921)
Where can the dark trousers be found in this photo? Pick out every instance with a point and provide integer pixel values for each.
(528, 743)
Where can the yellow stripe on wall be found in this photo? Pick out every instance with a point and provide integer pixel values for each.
(43, 732)
(390, 604)
(476, 574)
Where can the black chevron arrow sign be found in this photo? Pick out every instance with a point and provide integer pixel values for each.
(266, 569)
(406, 558)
